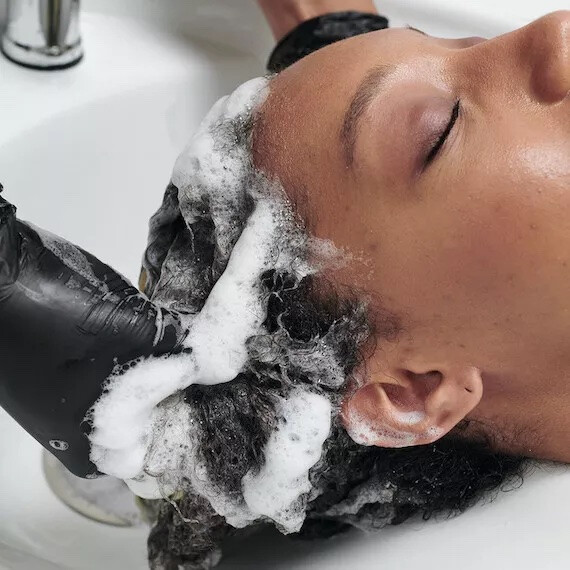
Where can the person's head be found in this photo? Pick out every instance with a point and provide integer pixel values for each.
(470, 251)
(449, 313)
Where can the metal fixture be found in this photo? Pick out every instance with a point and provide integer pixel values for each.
(106, 500)
(43, 34)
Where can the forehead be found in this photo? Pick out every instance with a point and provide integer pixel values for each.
(298, 124)
(344, 60)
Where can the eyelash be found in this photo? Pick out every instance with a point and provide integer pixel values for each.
(412, 28)
(443, 137)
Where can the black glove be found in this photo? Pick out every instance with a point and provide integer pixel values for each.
(66, 321)
(316, 33)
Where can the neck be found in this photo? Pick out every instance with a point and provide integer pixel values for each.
(526, 414)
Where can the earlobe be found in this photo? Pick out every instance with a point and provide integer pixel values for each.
(405, 408)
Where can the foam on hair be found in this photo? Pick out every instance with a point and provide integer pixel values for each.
(142, 427)
(243, 428)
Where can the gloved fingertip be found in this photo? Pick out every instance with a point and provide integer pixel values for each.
(7, 211)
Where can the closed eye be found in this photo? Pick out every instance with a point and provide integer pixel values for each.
(443, 137)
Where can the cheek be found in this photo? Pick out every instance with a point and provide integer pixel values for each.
(482, 239)
(509, 215)
(468, 249)
(511, 227)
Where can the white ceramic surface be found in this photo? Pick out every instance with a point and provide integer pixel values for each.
(87, 152)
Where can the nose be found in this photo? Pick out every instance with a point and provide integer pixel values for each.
(535, 58)
(549, 54)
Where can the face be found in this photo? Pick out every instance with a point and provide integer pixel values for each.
(468, 240)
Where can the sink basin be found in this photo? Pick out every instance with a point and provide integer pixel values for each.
(86, 153)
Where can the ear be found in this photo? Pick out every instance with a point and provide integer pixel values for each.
(405, 408)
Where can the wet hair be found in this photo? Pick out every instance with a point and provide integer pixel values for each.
(352, 485)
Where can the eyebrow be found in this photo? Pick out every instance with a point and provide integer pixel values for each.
(375, 81)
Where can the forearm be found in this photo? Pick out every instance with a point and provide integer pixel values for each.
(284, 15)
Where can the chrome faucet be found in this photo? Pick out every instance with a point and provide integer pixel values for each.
(43, 34)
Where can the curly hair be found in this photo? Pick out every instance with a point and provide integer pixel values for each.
(351, 485)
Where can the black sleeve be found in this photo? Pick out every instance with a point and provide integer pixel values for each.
(319, 32)
(67, 321)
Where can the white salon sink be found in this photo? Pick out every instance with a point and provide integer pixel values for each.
(86, 153)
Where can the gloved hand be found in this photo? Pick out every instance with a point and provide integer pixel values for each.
(66, 321)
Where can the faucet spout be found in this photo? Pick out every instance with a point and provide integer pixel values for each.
(43, 34)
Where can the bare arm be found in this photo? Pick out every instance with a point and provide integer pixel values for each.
(284, 15)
